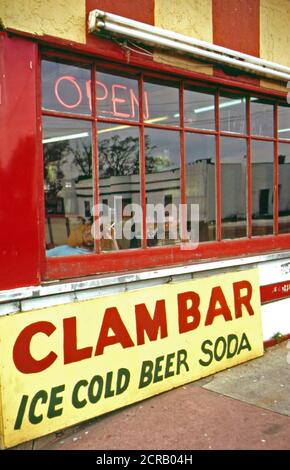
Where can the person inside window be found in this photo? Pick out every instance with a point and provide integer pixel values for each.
(81, 241)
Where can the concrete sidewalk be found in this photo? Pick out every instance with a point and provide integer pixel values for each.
(246, 407)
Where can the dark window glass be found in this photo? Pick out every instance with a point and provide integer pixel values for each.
(119, 186)
(199, 109)
(162, 152)
(66, 88)
(117, 97)
(233, 187)
(161, 103)
(232, 110)
(200, 182)
(262, 117)
(68, 186)
(284, 187)
(283, 122)
(262, 187)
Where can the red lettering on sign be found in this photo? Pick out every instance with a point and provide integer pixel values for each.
(188, 315)
(144, 322)
(112, 321)
(73, 81)
(217, 297)
(22, 357)
(243, 299)
(70, 351)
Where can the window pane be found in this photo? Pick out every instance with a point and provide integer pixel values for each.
(262, 118)
(68, 186)
(66, 88)
(284, 188)
(200, 182)
(161, 103)
(232, 113)
(233, 187)
(117, 97)
(199, 110)
(284, 122)
(262, 187)
(163, 186)
(119, 186)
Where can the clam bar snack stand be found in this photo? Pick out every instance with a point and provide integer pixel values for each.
(93, 131)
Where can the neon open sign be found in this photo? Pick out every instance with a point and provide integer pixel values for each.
(117, 100)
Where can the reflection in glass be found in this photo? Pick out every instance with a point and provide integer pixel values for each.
(68, 186)
(65, 88)
(199, 110)
(284, 122)
(117, 97)
(162, 152)
(232, 113)
(262, 187)
(283, 187)
(233, 187)
(162, 103)
(119, 186)
(262, 117)
(200, 182)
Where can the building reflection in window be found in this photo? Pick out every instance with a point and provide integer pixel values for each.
(200, 182)
(119, 185)
(233, 187)
(262, 187)
(162, 152)
(68, 185)
(283, 187)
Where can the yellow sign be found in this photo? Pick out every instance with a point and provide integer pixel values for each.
(65, 364)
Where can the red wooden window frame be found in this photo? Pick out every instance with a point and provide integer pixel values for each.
(150, 257)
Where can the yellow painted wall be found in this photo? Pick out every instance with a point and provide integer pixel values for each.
(275, 31)
(61, 18)
(190, 17)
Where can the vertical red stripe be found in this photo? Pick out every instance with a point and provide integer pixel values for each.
(218, 170)
(21, 180)
(95, 156)
(276, 169)
(182, 160)
(142, 158)
(139, 10)
(236, 25)
(249, 169)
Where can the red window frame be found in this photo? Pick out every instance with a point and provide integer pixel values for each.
(150, 257)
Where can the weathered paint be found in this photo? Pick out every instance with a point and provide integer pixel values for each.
(60, 365)
(59, 18)
(171, 58)
(189, 17)
(236, 25)
(272, 85)
(274, 31)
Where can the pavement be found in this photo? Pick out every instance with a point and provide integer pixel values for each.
(245, 407)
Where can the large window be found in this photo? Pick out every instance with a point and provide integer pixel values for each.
(125, 152)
